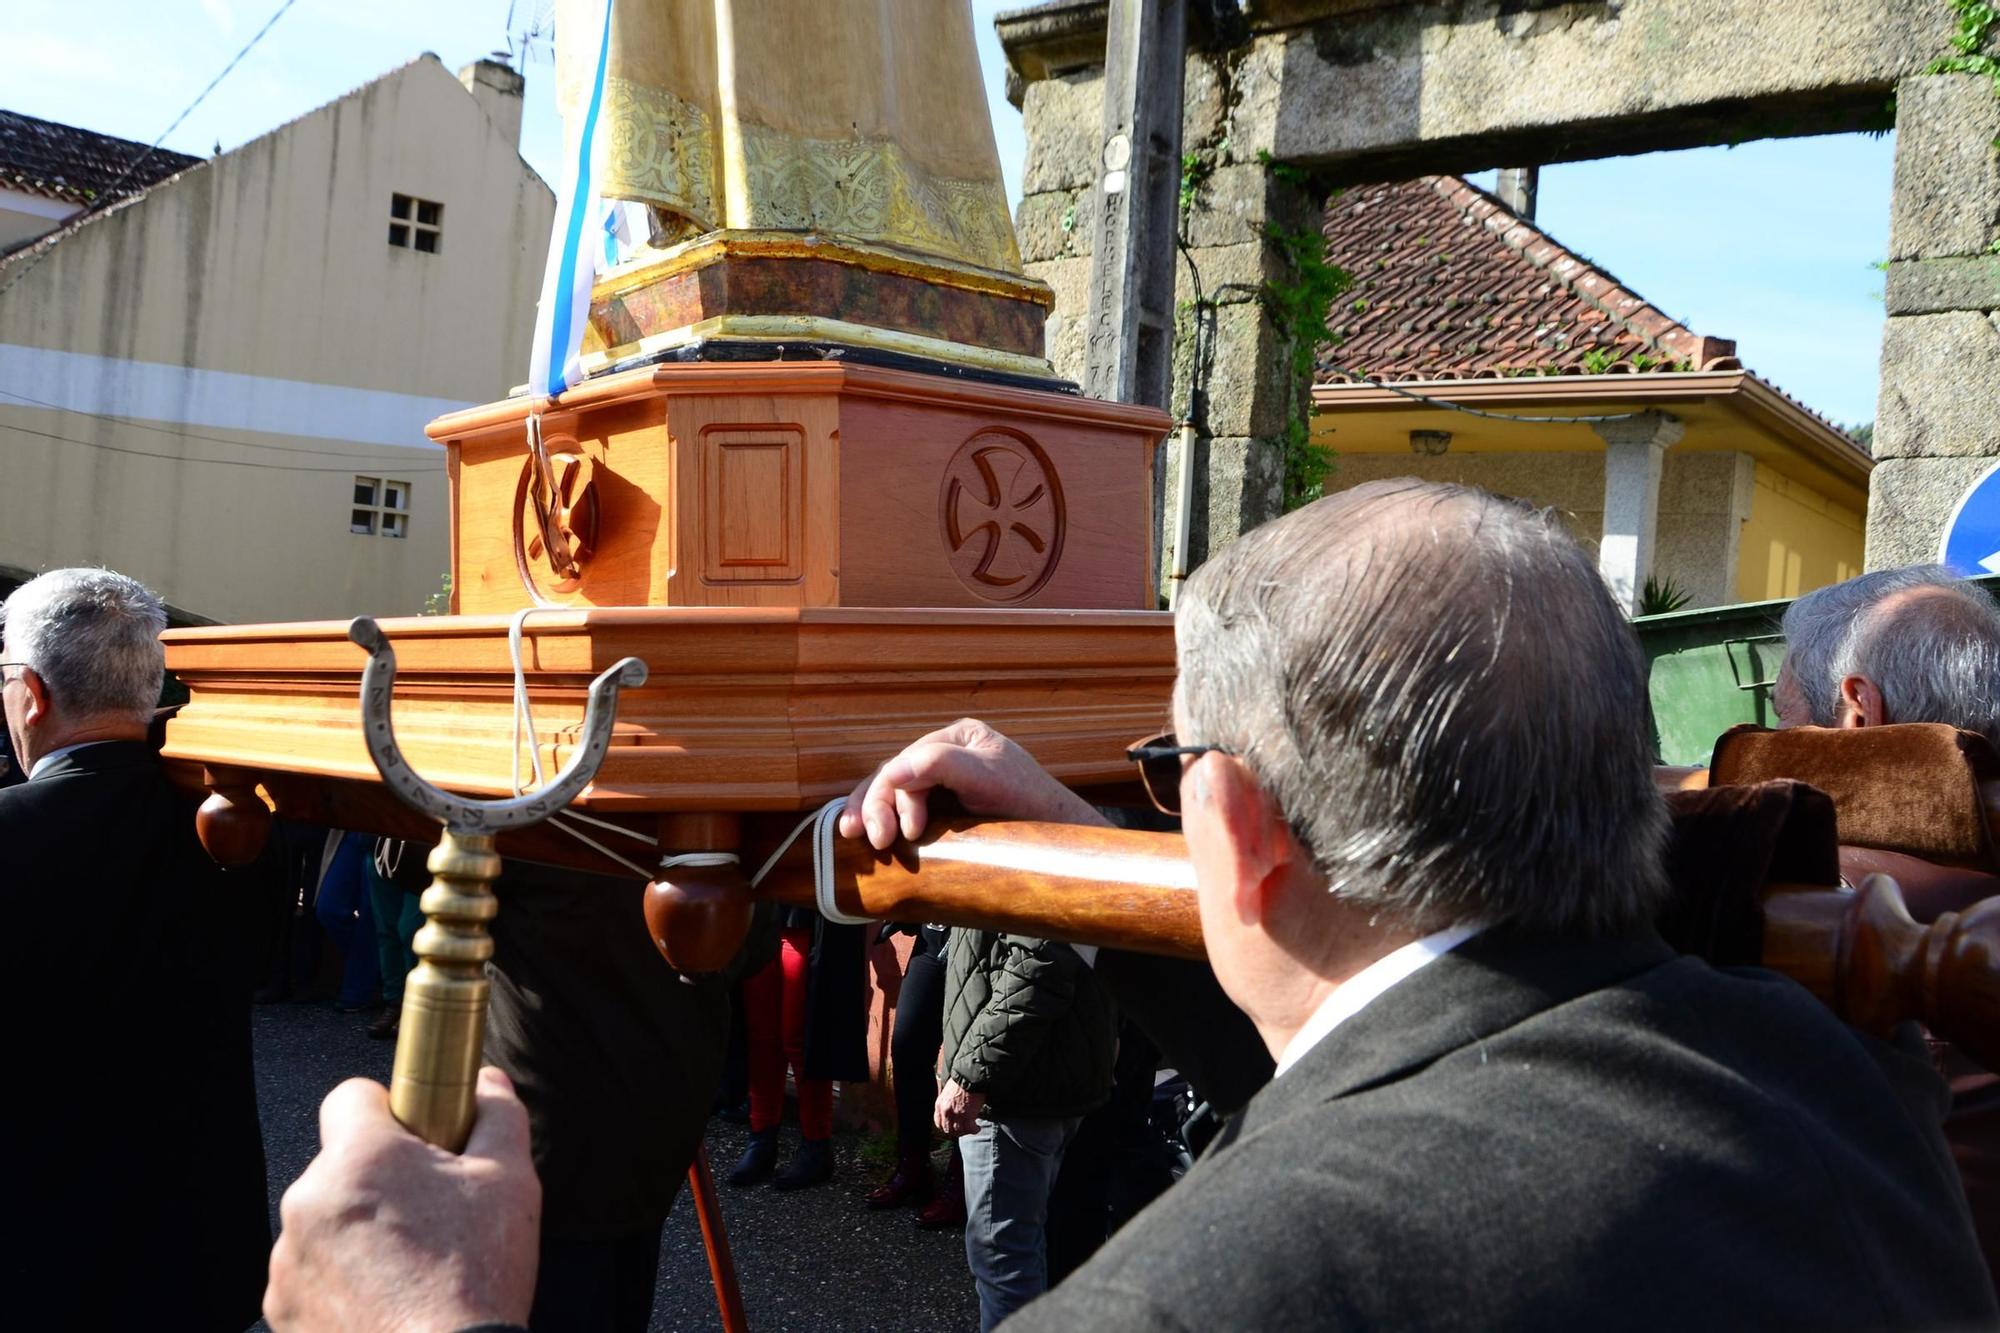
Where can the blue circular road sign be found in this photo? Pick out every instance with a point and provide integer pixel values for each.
(1971, 541)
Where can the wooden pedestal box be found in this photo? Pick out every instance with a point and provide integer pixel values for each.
(803, 484)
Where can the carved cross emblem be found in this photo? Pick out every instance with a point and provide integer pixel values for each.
(1003, 516)
(565, 516)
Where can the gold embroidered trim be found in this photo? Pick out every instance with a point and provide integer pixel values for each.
(662, 150)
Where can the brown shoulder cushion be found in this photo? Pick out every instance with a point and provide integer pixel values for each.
(1728, 844)
(1913, 788)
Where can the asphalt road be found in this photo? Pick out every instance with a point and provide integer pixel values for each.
(814, 1259)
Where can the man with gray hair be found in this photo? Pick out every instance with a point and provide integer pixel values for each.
(1917, 644)
(1412, 765)
(137, 1182)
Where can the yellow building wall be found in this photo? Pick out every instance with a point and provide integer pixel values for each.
(1795, 540)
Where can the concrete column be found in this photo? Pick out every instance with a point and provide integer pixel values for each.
(1937, 425)
(1633, 450)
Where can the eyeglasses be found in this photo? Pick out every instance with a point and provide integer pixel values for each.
(5, 665)
(1159, 761)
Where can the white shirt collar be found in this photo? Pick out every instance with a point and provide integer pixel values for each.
(56, 754)
(1353, 995)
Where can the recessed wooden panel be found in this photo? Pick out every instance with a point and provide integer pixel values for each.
(753, 515)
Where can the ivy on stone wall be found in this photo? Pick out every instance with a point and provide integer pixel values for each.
(1977, 20)
(1298, 306)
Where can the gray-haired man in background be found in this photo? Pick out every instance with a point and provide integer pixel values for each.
(135, 1175)
(1917, 644)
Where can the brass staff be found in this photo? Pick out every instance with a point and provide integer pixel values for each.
(444, 1001)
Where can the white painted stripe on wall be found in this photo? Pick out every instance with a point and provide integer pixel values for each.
(184, 396)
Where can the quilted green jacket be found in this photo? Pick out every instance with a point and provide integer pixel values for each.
(1027, 1023)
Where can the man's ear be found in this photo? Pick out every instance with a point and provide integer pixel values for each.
(1861, 703)
(1250, 830)
(37, 707)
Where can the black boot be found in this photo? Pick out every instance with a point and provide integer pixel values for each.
(910, 1184)
(754, 1166)
(812, 1166)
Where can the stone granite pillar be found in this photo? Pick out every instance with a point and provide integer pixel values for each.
(1937, 426)
(1633, 451)
(1240, 474)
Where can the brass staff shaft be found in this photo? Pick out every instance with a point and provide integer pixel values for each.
(444, 1001)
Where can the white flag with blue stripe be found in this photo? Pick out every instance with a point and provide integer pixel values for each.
(585, 236)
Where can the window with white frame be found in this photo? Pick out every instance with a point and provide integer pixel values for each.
(381, 508)
(415, 224)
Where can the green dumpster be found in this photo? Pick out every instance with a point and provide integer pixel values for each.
(1712, 669)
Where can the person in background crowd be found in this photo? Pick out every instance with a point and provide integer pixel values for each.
(396, 879)
(913, 1054)
(135, 1178)
(1028, 1034)
(802, 1009)
(342, 905)
(1917, 644)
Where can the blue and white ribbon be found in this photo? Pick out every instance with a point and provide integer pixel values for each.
(584, 237)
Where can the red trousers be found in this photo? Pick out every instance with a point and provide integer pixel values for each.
(774, 1019)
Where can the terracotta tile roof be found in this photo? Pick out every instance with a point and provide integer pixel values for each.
(1450, 284)
(77, 166)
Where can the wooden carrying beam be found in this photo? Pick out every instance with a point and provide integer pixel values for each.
(1860, 952)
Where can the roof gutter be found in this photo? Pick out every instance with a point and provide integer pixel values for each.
(1817, 438)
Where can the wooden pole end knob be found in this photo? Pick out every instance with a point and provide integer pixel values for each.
(699, 915)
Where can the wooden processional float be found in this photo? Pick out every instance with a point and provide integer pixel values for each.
(753, 710)
(731, 551)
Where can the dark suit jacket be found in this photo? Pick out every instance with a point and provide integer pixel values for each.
(1533, 1135)
(135, 1170)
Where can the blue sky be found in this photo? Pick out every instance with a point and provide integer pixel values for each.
(1771, 243)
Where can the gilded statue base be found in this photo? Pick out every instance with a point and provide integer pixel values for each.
(787, 287)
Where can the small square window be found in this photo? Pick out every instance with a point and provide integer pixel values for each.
(416, 224)
(380, 507)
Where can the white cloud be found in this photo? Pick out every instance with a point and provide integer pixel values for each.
(219, 14)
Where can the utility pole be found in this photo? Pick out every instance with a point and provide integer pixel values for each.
(1128, 344)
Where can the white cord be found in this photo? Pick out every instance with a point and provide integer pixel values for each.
(821, 822)
(524, 717)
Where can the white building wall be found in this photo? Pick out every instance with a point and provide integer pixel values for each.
(259, 344)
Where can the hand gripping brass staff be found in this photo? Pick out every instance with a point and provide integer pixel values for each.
(444, 1001)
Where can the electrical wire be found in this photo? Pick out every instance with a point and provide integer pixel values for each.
(257, 37)
(180, 458)
(193, 435)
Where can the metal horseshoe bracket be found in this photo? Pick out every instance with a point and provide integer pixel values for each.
(458, 813)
